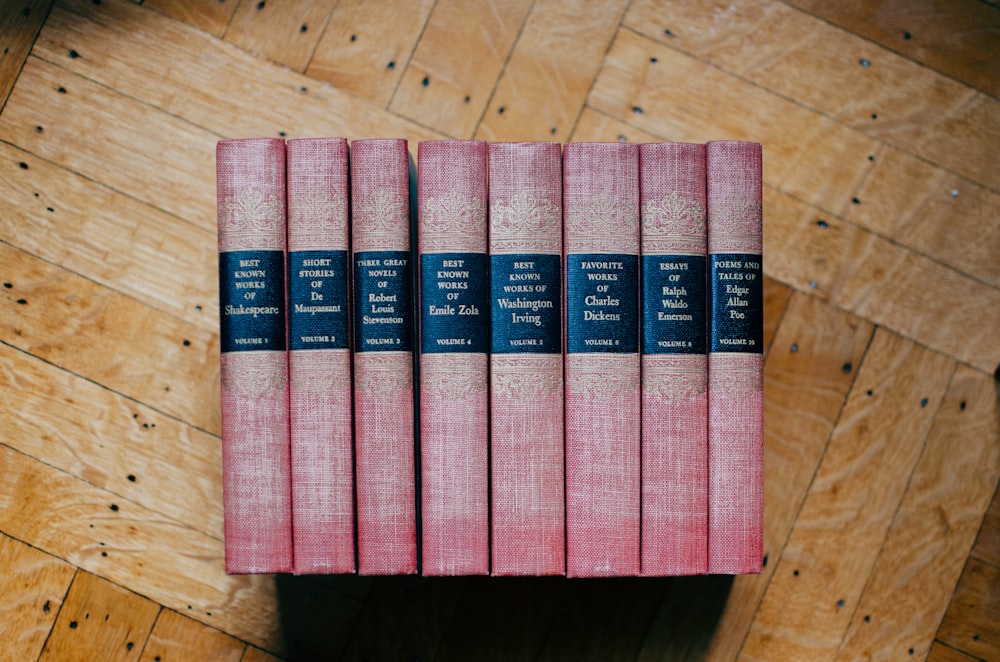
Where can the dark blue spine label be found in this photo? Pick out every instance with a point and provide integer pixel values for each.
(317, 295)
(252, 301)
(526, 304)
(602, 303)
(674, 319)
(383, 307)
(454, 303)
(737, 292)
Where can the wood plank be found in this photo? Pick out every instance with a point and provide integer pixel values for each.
(285, 31)
(109, 238)
(857, 489)
(972, 623)
(776, 298)
(987, 547)
(100, 621)
(958, 37)
(861, 272)
(19, 26)
(551, 70)
(191, 75)
(456, 64)
(257, 655)
(934, 529)
(212, 16)
(603, 620)
(807, 155)
(177, 637)
(941, 653)
(405, 618)
(367, 45)
(155, 157)
(111, 442)
(176, 566)
(841, 75)
(808, 373)
(30, 598)
(97, 333)
(502, 619)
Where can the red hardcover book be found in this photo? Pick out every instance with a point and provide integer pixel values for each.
(256, 472)
(674, 362)
(735, 359)
(454, 332)
(383, 358)
(526, 359)
(601, 240)
(319, 360)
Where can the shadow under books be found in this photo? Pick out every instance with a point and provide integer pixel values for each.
(510, 618)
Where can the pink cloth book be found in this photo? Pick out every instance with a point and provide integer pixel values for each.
(454, 332)
(601, 241)
(319, 358)
(735, 360)
(674, 362)
(526, 360)
(383, 358)
(256, 473)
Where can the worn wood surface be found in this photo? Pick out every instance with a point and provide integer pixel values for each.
(882, 302)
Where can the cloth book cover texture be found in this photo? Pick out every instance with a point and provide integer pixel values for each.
(674, 360)
(383, 358)
(454, 333)
(319, 360)
(736, 362)
(256, 472)
(601, 241)
(526, 360)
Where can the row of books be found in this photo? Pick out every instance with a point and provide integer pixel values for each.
(570, 380)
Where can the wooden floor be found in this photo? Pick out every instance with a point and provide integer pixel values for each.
(881, 128)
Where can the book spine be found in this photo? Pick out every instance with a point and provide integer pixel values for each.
(319, 359)
(454, 330)
(735, 360)
(601, 203)
(256, 473)
(383, 358)
(526, 360)
(674, 359)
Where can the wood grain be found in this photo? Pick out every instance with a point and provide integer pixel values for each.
(285, 31)
(92, 331)
(860, 271)
(367, 45)
(456, 64)
(177, 637)
(942, 653)
(972, 622)
(100, 621)
(807, 155)
(31, 594)
(776, 298)
(934, 529)
(109, 238)
(987, 547)
(839, 74)
(855, 493)
(257, 655)
(66, 422)
(551, 69)
(212, 16)
(808, 373)
(19, 25)
(959, 37)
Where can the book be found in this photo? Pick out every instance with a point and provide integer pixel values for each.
(735, 359)
(601, 243)
(383, 358)
(454, 333)
(526, 359)
(253, 361)
(674, 360)
(319, 360)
